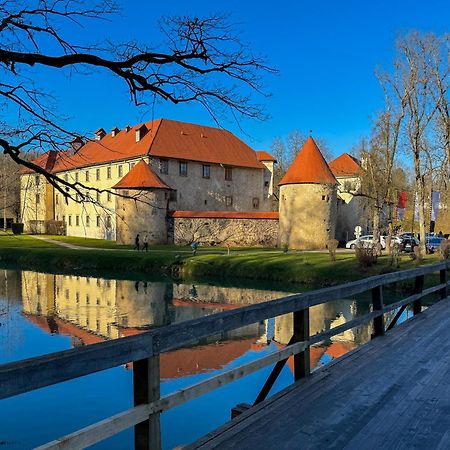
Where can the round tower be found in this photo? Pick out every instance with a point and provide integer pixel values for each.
(307, 202)
(141, 206)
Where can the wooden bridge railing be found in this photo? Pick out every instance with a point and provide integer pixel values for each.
(144, 350)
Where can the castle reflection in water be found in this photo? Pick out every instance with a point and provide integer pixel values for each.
(91, 310)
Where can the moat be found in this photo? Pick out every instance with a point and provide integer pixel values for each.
(43, 313)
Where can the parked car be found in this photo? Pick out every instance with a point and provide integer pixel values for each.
(408, 244)
(433, 243)
(364, 241)
(394, 240)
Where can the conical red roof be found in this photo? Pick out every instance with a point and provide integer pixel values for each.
(309, 167)
(141, 176)
(345, 165)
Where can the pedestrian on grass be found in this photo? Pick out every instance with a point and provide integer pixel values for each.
(136, 242)
(145, 243)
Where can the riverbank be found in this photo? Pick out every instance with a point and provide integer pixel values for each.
(314, 269)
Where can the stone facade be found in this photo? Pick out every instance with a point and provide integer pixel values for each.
(144, 213)
(226, 231)
(307, 215)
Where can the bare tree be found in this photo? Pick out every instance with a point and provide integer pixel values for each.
(199, 60)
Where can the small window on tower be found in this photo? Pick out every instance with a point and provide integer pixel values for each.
(255, 203)
(228, 174)
(228, 200)
(323, 197)
(206, 171)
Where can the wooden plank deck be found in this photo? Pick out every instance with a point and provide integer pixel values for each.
(393, 392)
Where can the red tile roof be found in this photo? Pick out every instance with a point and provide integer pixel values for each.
(141, 176)
(46, 161)
(224, 215)
(262, 155)
(309, 167)
(164, 138)
(345, 165)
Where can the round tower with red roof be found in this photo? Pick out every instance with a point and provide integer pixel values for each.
(307, 201)
(141, 206)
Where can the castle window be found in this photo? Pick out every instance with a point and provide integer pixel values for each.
(76, 177)
(164, 166)
(70, 221)
(266, 183)
(98, 221)
(77, 297)
(77, 221)
(228, 200)
(183, 168)
(67, 294)
(86, 174)
(57, 199)
(97, 174)
(37, 180)
(38, 199)
(206, 171)
(206, 202)
(108, 173)
(255, 203)
(120, 171)
(108, 221)
(87, 299)
(98, 196)
(108, 196)
(323, 197)
(228, 174)
(64, 218)
(125, 193)
(88, 221)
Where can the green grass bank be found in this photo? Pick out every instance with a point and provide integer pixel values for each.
(260, 265)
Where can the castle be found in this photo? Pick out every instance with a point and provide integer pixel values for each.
(179, 182)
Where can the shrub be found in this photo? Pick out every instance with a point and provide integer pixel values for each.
(17, 228)
(332, 245)
(366, 256)
(285, 247)
(444, 250)
(416, 255)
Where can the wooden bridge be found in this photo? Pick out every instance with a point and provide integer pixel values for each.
(391, 392)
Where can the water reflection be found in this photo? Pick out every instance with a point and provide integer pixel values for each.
(42, 313)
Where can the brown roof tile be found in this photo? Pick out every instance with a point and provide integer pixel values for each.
(141, 176)
(164, 138)
(262, 155)
(345, 165)
(309, 167)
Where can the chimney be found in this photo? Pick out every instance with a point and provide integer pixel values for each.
(114, 131)
(99, 134)
(76, 144)
(141, 132)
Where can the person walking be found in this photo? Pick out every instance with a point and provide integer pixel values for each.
(145, 243)
(136, 242)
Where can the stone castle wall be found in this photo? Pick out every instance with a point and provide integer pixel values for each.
(307, 215)
(145, 214)
(223, 231)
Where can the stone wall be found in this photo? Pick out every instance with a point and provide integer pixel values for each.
(143, 213)
(223, 231)
(307, 215)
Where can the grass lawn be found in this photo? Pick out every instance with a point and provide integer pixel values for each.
(312, 269)
(8, 240)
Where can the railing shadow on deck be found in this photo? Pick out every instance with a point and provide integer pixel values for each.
(144, 351)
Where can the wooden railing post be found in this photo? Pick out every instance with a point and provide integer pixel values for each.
(146, 384)
(302, 366)
(378, 305)
(443, 278)
(418, 288)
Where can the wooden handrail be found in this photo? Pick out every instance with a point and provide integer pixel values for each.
(144, 349)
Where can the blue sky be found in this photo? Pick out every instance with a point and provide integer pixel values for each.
(326, 53)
